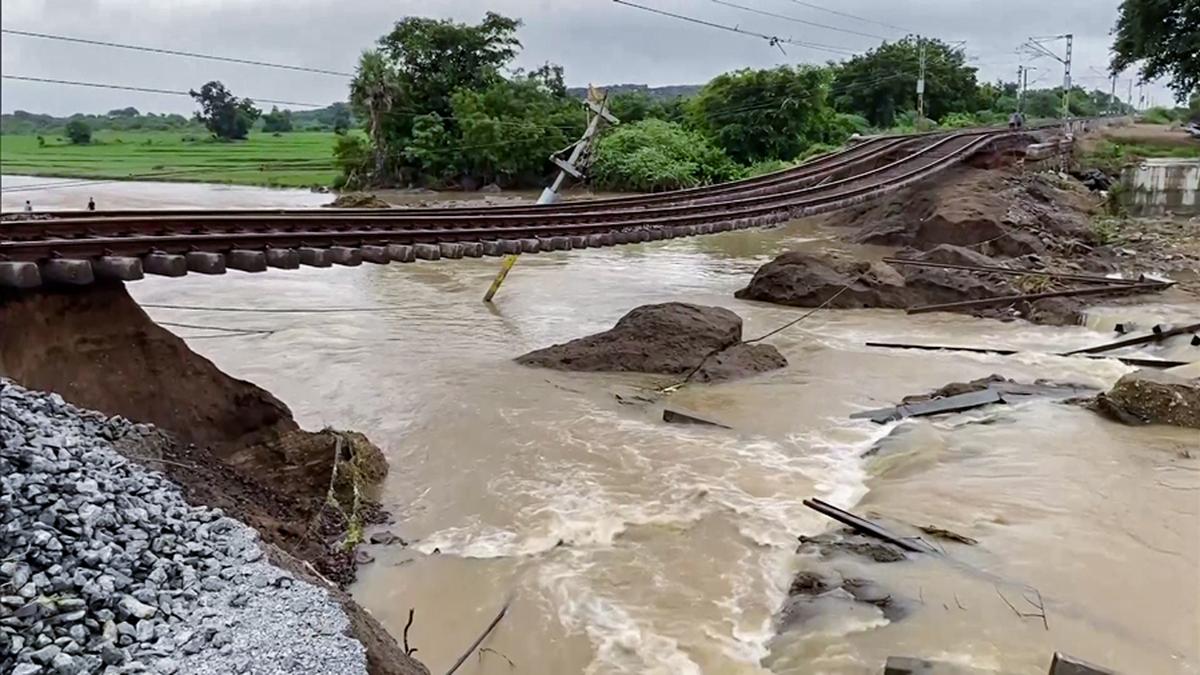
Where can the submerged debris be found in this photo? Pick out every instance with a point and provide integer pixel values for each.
(358, 200)
(676, 417)
(942, 533)
(960, 396)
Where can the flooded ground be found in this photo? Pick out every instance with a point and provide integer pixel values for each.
(57, 194)
(631, 546)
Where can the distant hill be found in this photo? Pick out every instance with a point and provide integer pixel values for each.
(666, 93)
(23, 123)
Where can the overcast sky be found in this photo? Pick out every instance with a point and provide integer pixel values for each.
(597, 41)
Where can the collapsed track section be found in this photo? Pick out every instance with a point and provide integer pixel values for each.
(79, 247)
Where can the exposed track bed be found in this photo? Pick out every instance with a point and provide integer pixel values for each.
(77, 247)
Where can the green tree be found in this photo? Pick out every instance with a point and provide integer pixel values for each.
(79, 132)
(341, 119)
(224, 114)
(883, 82)
(277, 121)
(507, 131)
(352, 155)
(438, 109)
(656, 155)
(756, 115)
(373, 91)
(635, 106)
(1164, 36)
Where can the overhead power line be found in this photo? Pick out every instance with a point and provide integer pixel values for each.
(148, 90)
(175, 52)
(851, 16)
(775, 40)
(797, 20)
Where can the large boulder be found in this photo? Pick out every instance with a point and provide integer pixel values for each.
(672, 338)
(1153, 397)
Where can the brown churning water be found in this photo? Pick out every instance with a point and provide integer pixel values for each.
(632, 546)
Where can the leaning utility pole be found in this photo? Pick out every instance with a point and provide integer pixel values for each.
(597, 112)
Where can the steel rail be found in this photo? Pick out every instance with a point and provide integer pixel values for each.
(770, 210)
(39, 229)
(814, 168)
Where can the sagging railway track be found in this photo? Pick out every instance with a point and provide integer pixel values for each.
(79, 247)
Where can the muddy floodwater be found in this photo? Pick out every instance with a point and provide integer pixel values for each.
(632, 546)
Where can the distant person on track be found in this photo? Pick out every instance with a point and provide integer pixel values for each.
(1016, 121)
(91, 204)
(28, 207)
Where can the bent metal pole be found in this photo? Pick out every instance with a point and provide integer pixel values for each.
(597, 111)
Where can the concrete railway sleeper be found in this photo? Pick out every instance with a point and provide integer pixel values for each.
(23, 230)
(77, 259)
(816, 168)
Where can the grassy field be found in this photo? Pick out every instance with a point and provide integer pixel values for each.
(298, 159)
(1115, 147)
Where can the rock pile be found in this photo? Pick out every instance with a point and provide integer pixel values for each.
(1153, 397)
(106, 568)
(672, 338)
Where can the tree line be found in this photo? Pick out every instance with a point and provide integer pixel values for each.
(443, 106)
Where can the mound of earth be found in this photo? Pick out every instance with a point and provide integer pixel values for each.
(673, 338)
(97, 348)
(358, 200)
(996, 211)
(806, 279)
(803, 279)
(1153, 397)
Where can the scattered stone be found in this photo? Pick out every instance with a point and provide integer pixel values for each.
(113, 569)
(358, 200)
(1152, 397)
(386, 538)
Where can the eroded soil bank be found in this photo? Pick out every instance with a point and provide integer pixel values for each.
(999, 216)
(229, 444)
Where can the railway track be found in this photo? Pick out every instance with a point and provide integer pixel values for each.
(78, 247)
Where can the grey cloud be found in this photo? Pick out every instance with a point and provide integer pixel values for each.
(595, 40)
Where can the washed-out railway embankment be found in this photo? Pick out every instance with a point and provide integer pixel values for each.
(80, 248)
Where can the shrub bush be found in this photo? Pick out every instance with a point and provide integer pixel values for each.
(653, 155)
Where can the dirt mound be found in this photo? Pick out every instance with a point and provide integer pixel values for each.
(97, 348)
(1152, 397)
(995, 211)
(671, 338)
(803, 279)
(358, 200)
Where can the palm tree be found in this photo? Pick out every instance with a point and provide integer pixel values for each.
(373, 89)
